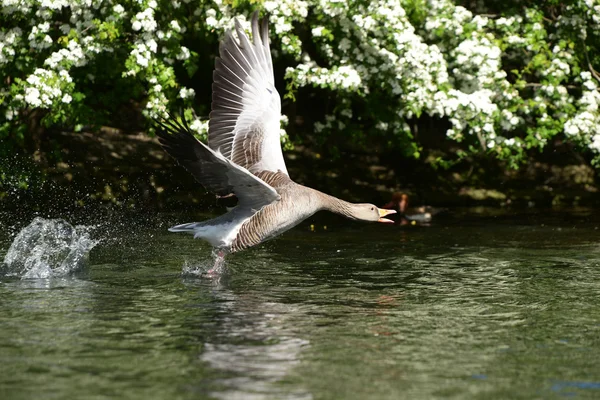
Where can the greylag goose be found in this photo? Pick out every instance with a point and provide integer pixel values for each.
(400, 202)
(243, 156)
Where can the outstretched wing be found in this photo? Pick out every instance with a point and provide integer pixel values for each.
(215, 172)
(244, 121)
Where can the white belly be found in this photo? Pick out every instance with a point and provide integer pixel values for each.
(219, 235)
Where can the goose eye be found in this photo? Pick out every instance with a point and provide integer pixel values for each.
(372, 208)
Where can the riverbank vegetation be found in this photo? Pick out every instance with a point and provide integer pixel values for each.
(488, 100)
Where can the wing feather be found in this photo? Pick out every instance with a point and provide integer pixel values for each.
(215, 172)
(244, 118)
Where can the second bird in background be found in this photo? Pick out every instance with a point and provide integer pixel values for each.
(406, 214)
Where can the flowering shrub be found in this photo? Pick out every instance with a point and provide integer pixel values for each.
(80, 59)
(507, 80)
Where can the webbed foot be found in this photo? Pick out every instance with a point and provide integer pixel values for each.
(219, 264)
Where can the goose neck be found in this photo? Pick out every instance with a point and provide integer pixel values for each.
(335, 205)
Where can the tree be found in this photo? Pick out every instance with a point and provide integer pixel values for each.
(507, 76)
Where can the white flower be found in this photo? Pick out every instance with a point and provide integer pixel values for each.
(383, 126)
(65, 29)
(590, 85)
(10, 114)
(141, 60)
(595, 145)
(32, 96)
(144, 21)
(152, 45)
(184, 54)
(571, 128)
(345, 44)
(119, 9)
(33, 80)
(175, 25)
(318, 31)
(67, 98)
(186, 93)
(199, 126)
(347, 77)
(212, 21)
(283, 122)
(346, 112)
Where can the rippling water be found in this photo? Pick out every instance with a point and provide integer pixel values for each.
(470, 307)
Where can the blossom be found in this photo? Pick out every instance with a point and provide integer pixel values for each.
(175, 25)
(141, 55)
(119, 9)
(186, 93)
(371, 57)
(32, 96)
(144, 21)
(199, 126)
(183, 54)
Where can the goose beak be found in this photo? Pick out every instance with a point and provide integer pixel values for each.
(383, 212)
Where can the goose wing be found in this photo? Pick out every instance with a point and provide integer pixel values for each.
(244, 120)
(215, 172)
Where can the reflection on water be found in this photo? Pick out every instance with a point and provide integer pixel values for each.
(493, 309)
(255, 346)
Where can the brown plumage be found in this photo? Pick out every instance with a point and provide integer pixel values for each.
(244, 156)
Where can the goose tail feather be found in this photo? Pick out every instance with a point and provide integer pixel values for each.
(187, 228)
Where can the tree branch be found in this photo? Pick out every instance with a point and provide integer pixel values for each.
(595, 73)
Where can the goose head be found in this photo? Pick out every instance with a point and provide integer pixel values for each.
(370, 212)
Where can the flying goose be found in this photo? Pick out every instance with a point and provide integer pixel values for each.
(243, 156)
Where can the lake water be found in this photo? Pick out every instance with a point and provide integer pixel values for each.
(474, 306)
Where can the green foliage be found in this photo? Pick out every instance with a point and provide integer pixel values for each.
(509, 77)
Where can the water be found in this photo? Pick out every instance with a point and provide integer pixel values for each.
(470, 307)
(48, 248)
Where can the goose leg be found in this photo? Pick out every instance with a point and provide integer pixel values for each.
(219, 257)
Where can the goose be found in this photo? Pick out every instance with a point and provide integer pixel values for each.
(244, 156)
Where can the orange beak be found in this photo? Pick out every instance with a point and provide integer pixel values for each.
(382, 213)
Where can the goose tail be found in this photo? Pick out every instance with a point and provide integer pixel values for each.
(190, 227)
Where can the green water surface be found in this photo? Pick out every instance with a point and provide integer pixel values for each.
(471, 307)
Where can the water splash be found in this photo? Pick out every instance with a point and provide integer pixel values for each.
(48, 248)
(214, 268)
